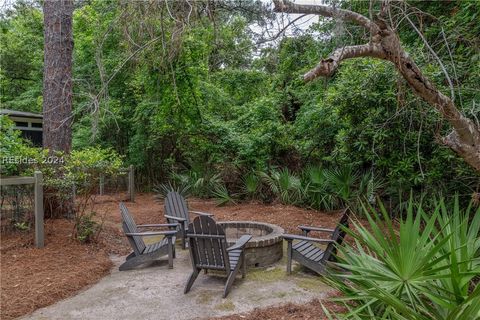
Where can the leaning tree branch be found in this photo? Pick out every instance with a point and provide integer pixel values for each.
(327, 67)
(385, 44)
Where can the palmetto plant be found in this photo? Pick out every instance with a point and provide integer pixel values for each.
(419, 268)
(343, 180)
(462, 248)
(251, 185)
(369, 187)
(284, 184)
(161, 190)
(222, 196)
(200, 184)
(318, 192)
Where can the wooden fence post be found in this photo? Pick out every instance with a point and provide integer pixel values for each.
(39, 232)
(102, 183)
(131, 183)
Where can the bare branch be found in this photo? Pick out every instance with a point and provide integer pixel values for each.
(273, 38)
(286, 6)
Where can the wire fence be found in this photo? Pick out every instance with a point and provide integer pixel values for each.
(17, 205)
(125, 181)
(17, 197)
(17, 200)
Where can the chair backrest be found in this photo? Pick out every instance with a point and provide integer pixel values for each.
(175, 205)
(338, 235)
(129, 226)
(208, 244)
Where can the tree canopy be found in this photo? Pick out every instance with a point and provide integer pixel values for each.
(199, 87)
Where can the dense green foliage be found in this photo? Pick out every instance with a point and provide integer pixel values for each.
(199, 103)
(16, 154)
(423, 268)
(64, 176)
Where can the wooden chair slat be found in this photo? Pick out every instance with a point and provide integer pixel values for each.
(317, 254)
(312, 253)
(132, 228)
(212, 258)
(319, 257)
(305, 250)
(200, 242)
(234, 253)
(301, 245)
(216, 243)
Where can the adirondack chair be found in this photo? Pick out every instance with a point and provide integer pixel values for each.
(208, 251)
(176, 211)
(143, 253)
(304, 250)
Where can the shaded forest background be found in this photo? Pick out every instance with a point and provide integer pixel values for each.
(196, 94)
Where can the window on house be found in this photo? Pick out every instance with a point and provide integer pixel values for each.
(21, 124)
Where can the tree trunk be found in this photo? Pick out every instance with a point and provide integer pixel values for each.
(57, 94)
(57, 75)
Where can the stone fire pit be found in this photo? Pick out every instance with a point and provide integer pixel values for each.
(266, 246)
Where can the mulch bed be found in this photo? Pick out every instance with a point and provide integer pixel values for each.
(33, 278)
(309, 311)
(147, 210)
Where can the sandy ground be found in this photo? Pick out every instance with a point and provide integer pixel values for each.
(156, 292)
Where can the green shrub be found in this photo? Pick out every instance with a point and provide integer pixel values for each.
(343, 180)
(22, 226)
(422, 267)
(340, 187)
(80, 171)
(13, 147)
(86, 228)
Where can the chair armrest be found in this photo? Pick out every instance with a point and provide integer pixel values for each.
(151, 233)
(174, 218)
(290, 237)
(157, 225)
(312, 228)
(240, 242)
(202, 213)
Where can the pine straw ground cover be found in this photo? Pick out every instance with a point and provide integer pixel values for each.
(33, 278)
(309, 311)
